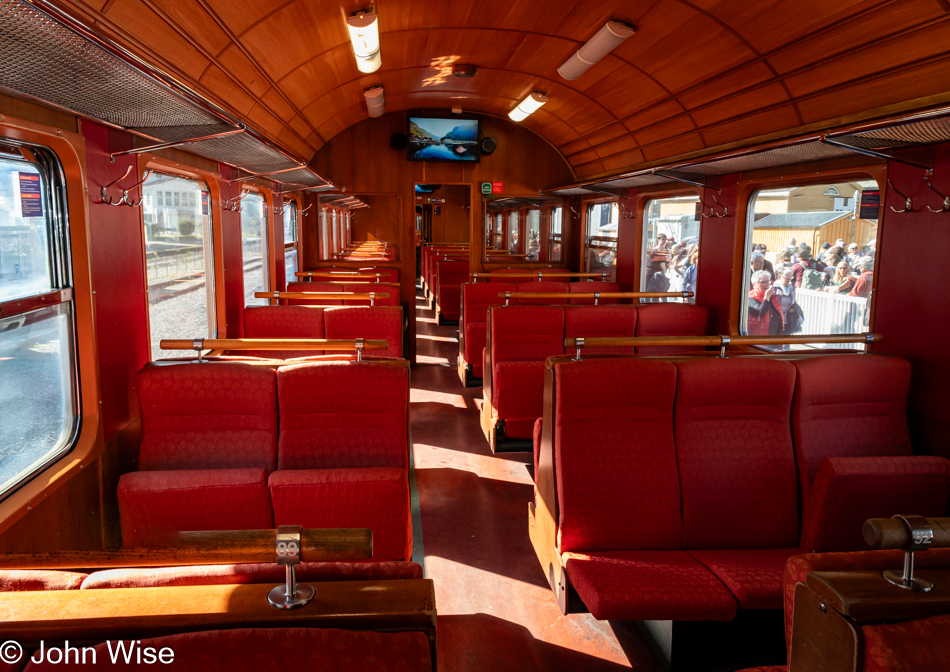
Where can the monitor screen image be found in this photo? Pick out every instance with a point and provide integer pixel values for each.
(443, 139)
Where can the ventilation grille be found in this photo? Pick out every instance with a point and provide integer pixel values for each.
(922, 132)
(770, 158)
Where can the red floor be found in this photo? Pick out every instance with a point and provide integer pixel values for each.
(496, 611)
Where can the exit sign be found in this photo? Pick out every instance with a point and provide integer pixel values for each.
(486, 188)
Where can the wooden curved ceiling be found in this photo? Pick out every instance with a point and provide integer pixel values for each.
(697, 74)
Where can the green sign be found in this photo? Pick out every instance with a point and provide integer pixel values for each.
(486, 188)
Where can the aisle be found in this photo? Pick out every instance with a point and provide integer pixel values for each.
(496, 611)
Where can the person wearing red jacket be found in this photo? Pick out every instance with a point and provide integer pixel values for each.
(765, 311)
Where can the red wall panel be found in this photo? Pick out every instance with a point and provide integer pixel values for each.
(232, 256)
(628, 242)
(121, 303)
(717, 249)
(911, 297)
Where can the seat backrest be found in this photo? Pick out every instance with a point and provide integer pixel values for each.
(507, 271)
(385, 274)
(314, 287)
(368, 323)
(735, 456)
(849, 406)
(670, 319)
(526, 333)
(283, 322)
(343, 415)
(220, 415)
(615, 455)
(478, 296)
(593, 286)
(364, 288)
(452, 272)
(600, 322)
(545, 286)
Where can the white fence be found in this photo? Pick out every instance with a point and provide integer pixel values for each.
(832, 313)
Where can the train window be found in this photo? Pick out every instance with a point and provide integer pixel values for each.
(179, 262)
(39, 402)
(532, 229)
(499, 231)
(324, 234)
(336, 236)
(554, 234)
(670, 246)
(254, 247)
(513, 232)
(600, 243)
(810, 254)
(290, 240)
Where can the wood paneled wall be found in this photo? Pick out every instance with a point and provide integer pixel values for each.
(382, 220)
(453, 223)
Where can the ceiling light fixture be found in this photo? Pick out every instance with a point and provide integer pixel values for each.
(528, 106)
(602, 43)
(375, 102)
(364, 34)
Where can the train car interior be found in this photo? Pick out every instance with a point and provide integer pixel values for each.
(416, 335)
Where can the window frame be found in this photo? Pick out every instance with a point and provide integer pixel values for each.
(588, 206)
(745, 191)
(643, 210)
(295, 244)
(267, 236)
(68, 147)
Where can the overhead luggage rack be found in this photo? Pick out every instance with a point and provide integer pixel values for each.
(49, 57)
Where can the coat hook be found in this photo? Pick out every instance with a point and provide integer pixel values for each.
(946, 199)
(908, 204)
(725, 208)
(304, 211)
(625, 212)
(105, 198)
(234, 204)
(125, 192)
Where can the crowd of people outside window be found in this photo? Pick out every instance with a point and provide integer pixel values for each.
(838, 269)
(671, 265)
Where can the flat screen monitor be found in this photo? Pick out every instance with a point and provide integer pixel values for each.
(443, 139)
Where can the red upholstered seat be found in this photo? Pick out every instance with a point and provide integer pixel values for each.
(155, 505)
(615, 456)
(477, 299)
(849, 490)
(449, 278)
(753, 576)
(17, 580)
(848, 406)
(670, 319)
(314, 287)
(648, 585)
(209, 437)
(366, 288)
(600, 322)
(542, 286)
(921, 645)
(283, 322)
(593, 286)
(522, 338)
(256, 649)
(366, 322)
(734, 450)
(344, 450)
(205, 575)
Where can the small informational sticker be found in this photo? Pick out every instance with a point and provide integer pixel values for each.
(870, 204)
(497, 187)
(438, 209)
(31, 196)
(486, 188)
(699, 211)
(204, 202)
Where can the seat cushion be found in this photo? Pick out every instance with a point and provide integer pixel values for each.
(753, 576)
(478, 296)
(377, 322)
(526, 333)
(862, 417)
(615, 455)
(648, 585)
(518, 395)
(670, 319)
(283, 322)
(377, 499)
(734, 452)
(920, 645)
(16, 580)
(206, 575)
(256, 649)
(849, 490)
(155, 505)
(337, 415)
(220, 415)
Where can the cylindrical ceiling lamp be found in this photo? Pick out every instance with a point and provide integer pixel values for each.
(528, 106)
(364, 34)
(375, 102)
(606, 40)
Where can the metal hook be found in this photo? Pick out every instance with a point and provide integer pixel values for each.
(105, 198)
(125, 192)
(625, 212)
(234, 204)
(908, 204)
(576, 213)
(304, 211)
(946, 199)
(725, 208)
(279, 210)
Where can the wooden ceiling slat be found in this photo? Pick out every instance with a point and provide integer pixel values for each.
(574, 146)
(221, 86)
(653, 115)
(751, 125)
(196, 22)
(666, 129)
(683, 144)
(234, 61)
(736, 105)
(726, 85)
(239, 16)
(622, 160)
